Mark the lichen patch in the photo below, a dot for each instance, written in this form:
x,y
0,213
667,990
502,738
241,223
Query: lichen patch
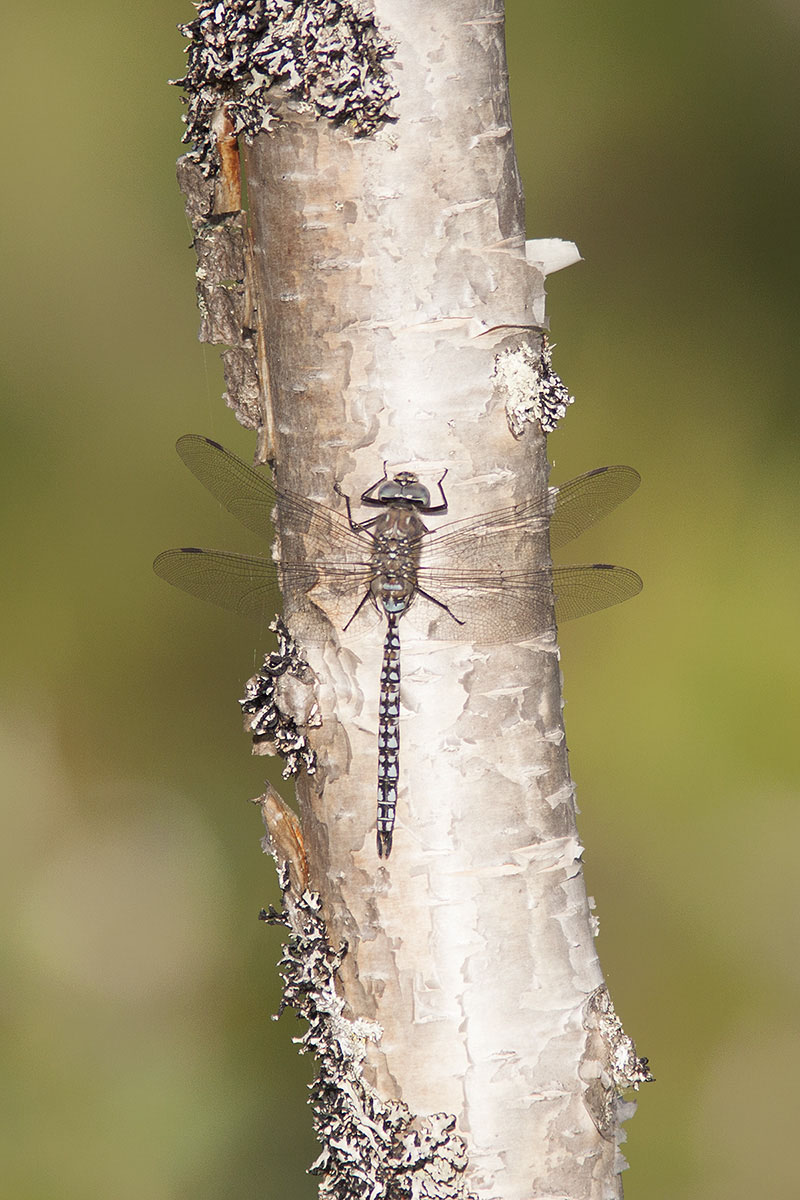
x,y
252,54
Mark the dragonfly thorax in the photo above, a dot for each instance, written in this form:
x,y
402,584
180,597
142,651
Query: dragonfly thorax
x,y
395,558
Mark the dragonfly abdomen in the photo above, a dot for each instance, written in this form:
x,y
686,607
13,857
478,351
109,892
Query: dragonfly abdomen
x,y
388,736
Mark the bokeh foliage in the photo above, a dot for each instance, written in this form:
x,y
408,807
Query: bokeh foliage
x,y
139,1057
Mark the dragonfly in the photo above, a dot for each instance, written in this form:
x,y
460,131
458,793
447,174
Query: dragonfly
x,y
461,581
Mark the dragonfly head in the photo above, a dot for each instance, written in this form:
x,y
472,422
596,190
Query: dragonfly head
x,y
405,487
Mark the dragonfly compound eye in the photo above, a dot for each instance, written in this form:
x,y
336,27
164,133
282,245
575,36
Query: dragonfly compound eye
x,y
405,486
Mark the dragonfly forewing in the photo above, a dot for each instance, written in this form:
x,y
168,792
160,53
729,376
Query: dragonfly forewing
x,y
589,498
250,495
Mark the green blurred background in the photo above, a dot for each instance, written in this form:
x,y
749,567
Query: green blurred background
x,y
139,1057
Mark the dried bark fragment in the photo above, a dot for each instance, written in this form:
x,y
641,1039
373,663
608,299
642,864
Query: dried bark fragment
x,y
372,1148
226,295
284,839
250,54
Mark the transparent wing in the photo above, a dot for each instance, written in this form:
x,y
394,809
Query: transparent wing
x,y
582,590
575,506
249,494
589,498
234,581
251,586
469,566
507,606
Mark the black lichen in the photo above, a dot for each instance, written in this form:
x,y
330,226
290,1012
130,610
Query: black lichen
x,y
372,1149
553,398
248,54
535,390
284,679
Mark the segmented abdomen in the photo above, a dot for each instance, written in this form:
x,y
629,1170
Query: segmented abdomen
x,y
388,736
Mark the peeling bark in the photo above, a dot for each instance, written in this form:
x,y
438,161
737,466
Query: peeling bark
x,y
380,306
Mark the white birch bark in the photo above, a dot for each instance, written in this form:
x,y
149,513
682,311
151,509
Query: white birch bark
x,y
390,275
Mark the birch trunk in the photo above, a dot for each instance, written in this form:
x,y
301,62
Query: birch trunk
x,y
389,275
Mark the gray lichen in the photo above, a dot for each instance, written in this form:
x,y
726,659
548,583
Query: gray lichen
x,y
534,390
328,55
611,1066
372,1149
627,1069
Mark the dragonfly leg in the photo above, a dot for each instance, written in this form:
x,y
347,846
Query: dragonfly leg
x,y
369,497
436,508
356,526
367,596
439,604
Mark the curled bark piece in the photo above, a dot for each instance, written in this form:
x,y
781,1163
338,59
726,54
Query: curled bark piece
x,y
284,838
